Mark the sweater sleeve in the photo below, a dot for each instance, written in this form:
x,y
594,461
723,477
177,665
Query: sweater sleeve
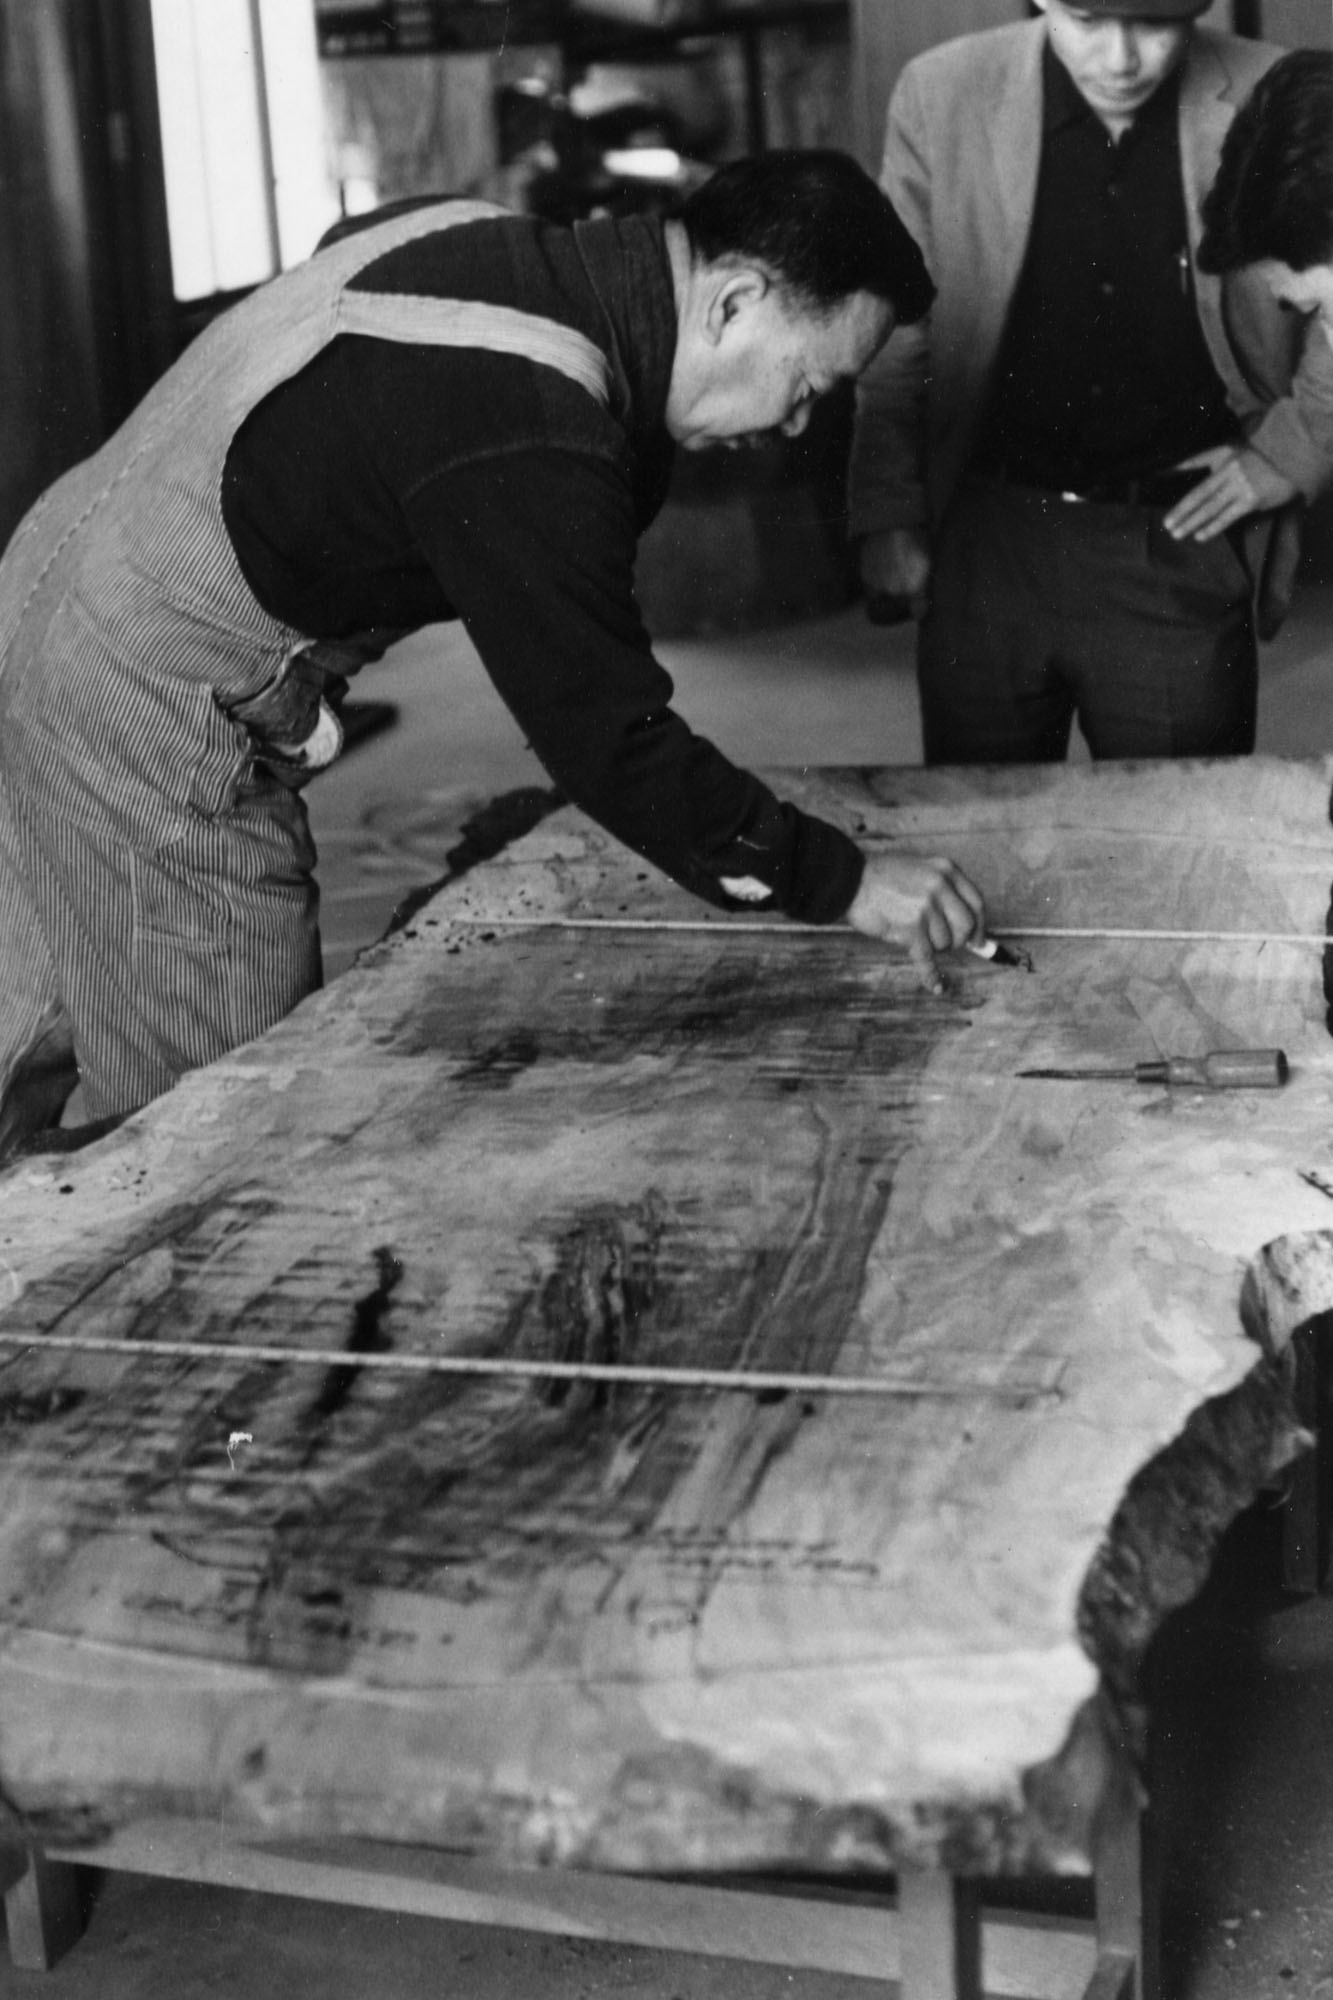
x,y
1295,433
535,549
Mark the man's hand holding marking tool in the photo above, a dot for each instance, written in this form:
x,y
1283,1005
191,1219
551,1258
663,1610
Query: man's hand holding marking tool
x,y
924,902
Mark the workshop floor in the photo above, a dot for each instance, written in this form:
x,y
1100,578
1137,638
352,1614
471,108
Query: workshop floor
x,y
1244,1679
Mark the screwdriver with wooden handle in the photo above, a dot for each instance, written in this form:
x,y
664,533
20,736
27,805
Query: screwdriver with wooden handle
x,y
1222,1069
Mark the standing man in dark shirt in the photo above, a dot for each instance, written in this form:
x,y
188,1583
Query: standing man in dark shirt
x,y
1084,472
453,413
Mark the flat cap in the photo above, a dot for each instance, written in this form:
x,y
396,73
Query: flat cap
x,y
1144,10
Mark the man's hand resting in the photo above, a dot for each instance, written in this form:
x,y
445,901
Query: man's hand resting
x,y
1238,482
928,904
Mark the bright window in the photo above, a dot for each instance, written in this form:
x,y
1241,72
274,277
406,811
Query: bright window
x,y
248,190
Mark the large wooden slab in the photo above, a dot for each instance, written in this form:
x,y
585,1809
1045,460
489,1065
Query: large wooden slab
x,y
658,1628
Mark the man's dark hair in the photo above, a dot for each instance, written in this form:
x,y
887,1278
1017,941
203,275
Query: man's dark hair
x,y
817,223
1273,195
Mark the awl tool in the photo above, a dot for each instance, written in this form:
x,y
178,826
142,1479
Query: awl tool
x,y
1223,1069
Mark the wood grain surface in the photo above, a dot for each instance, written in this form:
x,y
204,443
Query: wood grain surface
x,y
664,1628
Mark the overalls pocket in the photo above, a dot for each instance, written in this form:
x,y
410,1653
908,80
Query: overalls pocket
x,y
294,720
291,722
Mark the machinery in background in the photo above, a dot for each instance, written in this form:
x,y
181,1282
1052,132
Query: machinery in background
x,y
603,146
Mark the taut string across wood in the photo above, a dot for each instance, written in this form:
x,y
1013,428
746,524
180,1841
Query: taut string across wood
x,y
724,925
1041,1381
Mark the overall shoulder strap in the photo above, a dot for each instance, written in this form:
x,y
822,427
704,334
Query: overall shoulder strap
x,y
470,323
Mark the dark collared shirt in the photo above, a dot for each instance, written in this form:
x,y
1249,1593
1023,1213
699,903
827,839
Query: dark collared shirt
x,y
1103,373
391,485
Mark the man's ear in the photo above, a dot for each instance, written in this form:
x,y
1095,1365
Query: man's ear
x,y
739,288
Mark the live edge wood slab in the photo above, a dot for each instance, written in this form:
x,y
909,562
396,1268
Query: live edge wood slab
x,y
664,1628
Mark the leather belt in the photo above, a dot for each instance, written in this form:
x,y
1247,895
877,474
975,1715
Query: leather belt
x,y
1154,489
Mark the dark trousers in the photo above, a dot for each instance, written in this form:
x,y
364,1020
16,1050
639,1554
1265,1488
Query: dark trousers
x,y
1044,609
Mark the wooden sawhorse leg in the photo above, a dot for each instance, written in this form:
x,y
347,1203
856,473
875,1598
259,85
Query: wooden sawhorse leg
x,y
939,1936
1125,1882
43,1914
940,1928
1305,1509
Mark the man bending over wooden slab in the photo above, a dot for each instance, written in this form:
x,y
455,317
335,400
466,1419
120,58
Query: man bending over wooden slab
x,y
452,413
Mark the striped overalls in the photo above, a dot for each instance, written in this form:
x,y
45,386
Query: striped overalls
x,y
157,899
